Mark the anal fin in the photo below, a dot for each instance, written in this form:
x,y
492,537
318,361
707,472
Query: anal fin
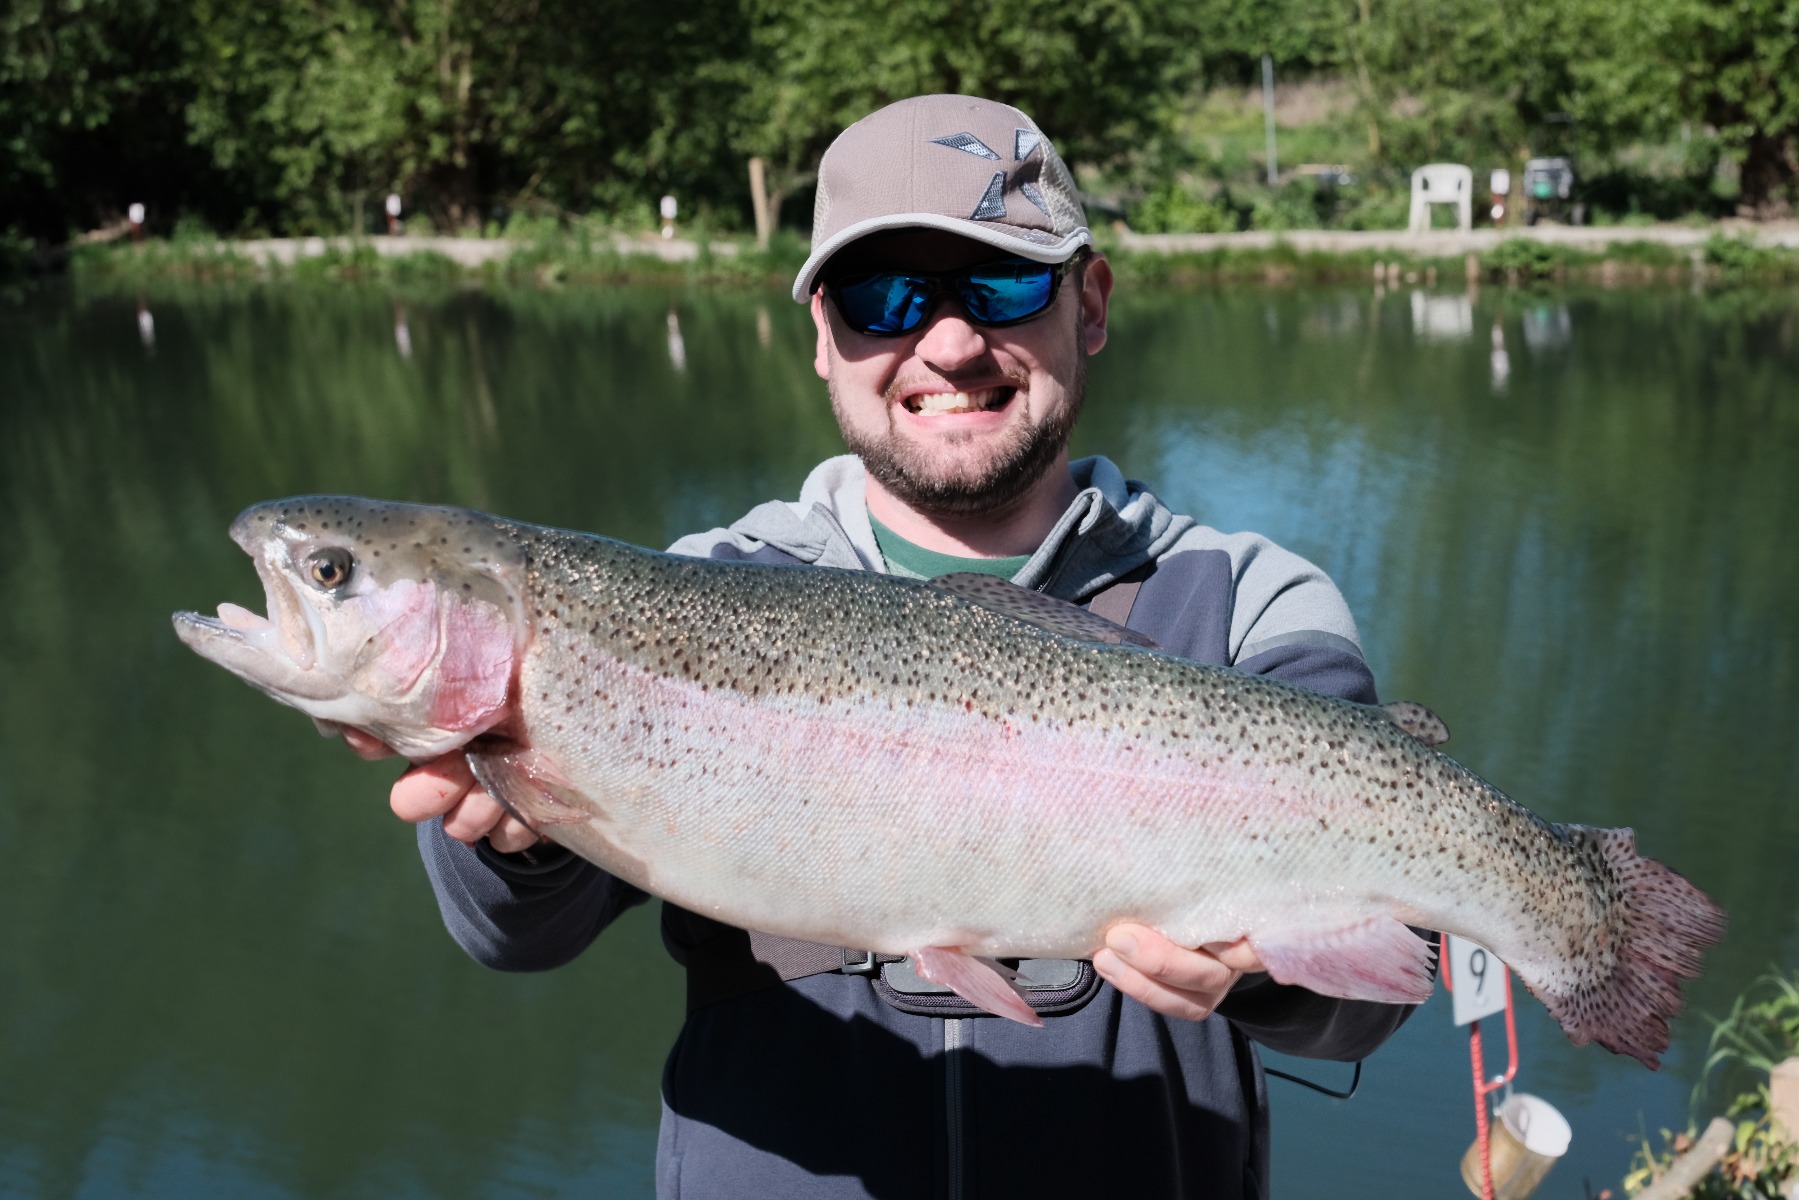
x,y
1378,959
977,980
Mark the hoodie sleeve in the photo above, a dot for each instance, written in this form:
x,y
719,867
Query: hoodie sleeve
x,y
517,913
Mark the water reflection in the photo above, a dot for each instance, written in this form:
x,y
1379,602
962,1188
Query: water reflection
x,y
1448,318
402,331
1548,325
677,346
146,325
224,973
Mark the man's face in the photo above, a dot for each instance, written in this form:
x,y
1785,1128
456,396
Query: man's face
x,y
956,418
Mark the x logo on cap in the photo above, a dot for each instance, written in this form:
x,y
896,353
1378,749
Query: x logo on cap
x,y
992,204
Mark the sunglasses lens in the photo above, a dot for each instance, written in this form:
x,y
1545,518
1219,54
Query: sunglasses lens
x,y
883,302
886,303
1002,292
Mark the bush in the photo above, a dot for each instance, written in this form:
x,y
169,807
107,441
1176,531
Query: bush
x,y
1172,208
1740,259
1530,259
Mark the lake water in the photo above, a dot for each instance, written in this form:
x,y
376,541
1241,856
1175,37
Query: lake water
x,y
221,970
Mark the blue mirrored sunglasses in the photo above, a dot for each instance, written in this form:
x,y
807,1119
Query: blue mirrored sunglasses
x,y
892,303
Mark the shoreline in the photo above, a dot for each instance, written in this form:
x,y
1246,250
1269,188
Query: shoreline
x,y
1717,253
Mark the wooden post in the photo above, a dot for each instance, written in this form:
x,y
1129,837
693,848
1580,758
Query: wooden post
x,y
765,224
1686,1171
1783,1096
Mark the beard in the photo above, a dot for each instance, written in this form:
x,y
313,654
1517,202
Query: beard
x,y
1012,465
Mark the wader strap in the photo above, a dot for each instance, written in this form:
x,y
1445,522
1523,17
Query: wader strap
x,y
739,962
1115,601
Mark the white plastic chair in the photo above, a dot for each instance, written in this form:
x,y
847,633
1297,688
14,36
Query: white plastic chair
x,y
1442,183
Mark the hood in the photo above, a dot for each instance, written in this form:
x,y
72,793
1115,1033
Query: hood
x,y
1113,526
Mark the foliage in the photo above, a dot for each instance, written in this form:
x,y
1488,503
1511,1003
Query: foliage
x,y
1760,1162
1741,260
1098,76
1175,208
301,118
1759,1033
1530,259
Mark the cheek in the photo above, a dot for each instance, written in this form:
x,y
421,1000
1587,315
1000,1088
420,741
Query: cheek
x,y
397,629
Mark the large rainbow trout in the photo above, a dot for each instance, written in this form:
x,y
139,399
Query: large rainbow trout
x,y
956,771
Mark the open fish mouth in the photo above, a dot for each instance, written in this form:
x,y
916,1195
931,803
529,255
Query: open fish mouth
x,y
275,651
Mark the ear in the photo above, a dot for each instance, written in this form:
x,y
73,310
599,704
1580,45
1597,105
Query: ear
x,y
821,357
1096,296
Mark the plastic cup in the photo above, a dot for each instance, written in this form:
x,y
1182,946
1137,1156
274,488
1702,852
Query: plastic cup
x,y
1524,1141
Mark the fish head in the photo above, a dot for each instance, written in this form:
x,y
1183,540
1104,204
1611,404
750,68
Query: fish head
x,y
404,621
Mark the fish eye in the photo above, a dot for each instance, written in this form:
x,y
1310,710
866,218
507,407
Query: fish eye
x,y
331,567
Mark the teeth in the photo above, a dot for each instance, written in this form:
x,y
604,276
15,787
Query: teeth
x,y
955,402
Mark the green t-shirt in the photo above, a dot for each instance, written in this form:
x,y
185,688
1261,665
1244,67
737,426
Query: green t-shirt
x,y
912,561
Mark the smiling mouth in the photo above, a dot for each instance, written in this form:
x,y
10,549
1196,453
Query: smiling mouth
x,y
933,404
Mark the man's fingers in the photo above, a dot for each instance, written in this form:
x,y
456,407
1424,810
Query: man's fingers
x,y
1175,967
1238,955
474,818
512,835
1168,1001
431,789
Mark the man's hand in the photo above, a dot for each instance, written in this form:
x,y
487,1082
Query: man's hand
x,y
445,787
1171,979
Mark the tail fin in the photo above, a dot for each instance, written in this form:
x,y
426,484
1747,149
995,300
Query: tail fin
x,y
1658,929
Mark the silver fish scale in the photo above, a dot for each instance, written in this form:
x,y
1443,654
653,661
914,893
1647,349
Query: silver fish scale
x,y
804,641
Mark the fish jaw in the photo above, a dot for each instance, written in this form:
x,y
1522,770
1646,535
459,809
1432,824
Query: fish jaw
x,y
416,647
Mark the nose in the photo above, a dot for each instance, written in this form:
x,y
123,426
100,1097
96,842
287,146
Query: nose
x,y
949,340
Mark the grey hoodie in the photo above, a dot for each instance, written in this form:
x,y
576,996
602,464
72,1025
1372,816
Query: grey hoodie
x,y
819,1087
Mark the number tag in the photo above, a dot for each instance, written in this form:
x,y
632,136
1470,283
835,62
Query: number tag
x,y
1479,981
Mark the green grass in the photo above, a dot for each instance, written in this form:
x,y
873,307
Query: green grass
x,y
576,257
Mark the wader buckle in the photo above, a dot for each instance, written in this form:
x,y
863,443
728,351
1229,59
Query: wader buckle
x,y
867,965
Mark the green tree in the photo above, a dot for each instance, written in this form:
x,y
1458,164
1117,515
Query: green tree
x,y
1100,77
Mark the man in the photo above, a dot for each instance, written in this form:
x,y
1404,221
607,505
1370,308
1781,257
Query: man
x,y
956,298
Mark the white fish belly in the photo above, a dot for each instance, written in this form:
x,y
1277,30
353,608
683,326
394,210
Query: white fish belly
x,y
865,821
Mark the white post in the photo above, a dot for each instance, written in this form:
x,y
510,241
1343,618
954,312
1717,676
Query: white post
x,y
668,216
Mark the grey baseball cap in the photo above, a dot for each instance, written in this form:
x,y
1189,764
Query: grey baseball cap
x,y
962,164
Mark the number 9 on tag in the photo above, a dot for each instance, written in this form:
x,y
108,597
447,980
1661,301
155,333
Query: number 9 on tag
x,y
1479,980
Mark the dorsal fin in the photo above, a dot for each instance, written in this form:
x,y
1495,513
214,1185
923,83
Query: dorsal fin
x,y
1046,612
1418,721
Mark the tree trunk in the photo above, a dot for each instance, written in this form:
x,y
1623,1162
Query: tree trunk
x,y
1767,176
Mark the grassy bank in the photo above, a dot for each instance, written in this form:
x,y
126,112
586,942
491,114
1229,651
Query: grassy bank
x,y
574,259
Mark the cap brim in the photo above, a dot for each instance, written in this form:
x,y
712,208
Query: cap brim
x,y
1051,249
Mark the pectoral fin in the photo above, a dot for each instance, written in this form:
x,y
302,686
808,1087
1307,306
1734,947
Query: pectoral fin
x,y
980,981
530,787
1378,959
